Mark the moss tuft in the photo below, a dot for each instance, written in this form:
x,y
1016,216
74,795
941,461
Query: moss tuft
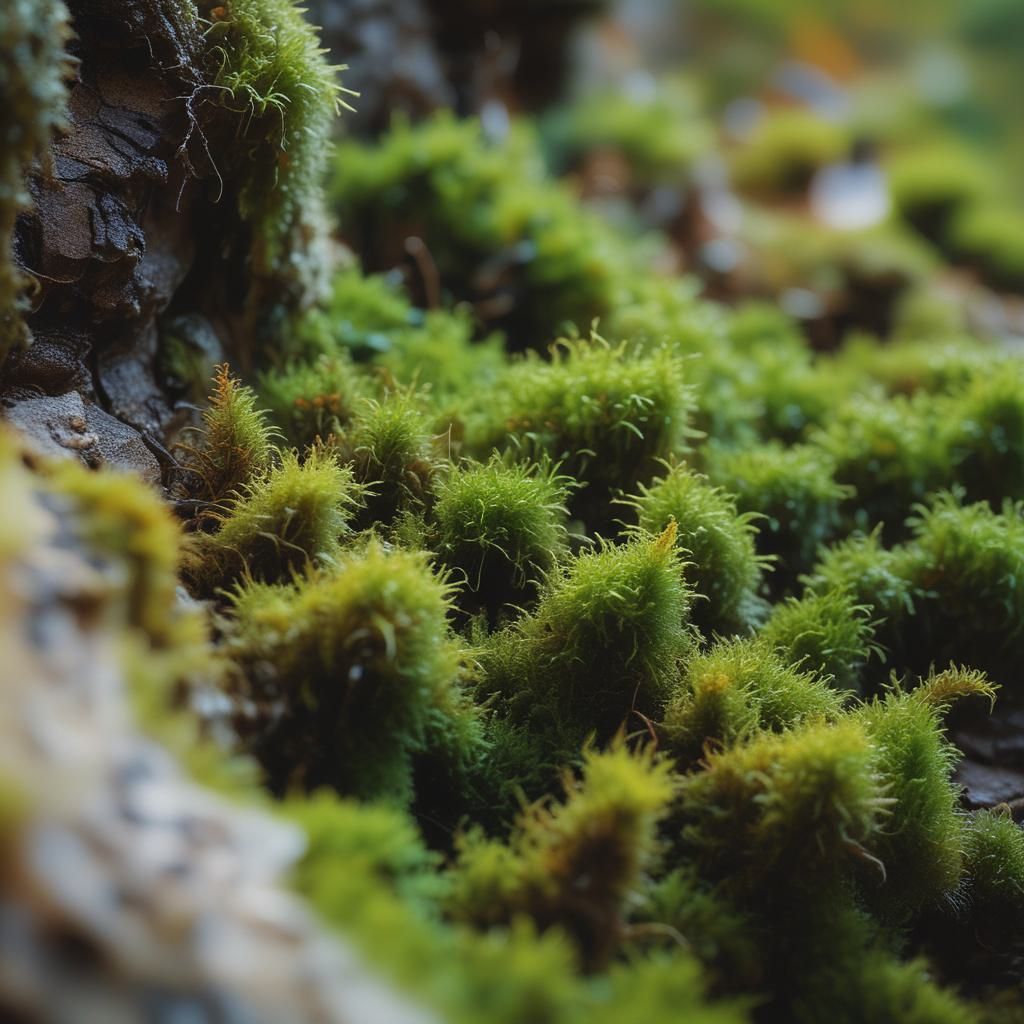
x,y
717,542
346,670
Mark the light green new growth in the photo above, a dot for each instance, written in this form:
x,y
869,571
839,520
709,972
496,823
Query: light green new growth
x,y
921,844
391,446
605,640
793,809
311,400
605,413
969,562
796,496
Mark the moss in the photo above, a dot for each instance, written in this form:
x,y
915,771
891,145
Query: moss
x,y
316,399
33,69
493,226
391,445
574,864
441,356
878,579
785,150
377,843
356,317
792,809
736,689
502,527
967,561
235,444
931,184
664,986
921,843
604,413
828,633
724,937
984,435
346,670
294,516
268,71
759,381
717,541
605,640
936,365
660,135
795,493
891,453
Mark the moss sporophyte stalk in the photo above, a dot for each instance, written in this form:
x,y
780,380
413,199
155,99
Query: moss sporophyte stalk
x,y
605,576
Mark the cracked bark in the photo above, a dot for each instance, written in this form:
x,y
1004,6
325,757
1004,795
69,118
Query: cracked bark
x,y
130,228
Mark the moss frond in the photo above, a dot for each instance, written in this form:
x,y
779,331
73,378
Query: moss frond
x,y
293,516
502,526
717,542
235,444
357,660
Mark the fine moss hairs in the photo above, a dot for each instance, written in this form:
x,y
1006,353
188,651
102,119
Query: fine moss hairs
x,y
604,641
502,527
718,544
345,670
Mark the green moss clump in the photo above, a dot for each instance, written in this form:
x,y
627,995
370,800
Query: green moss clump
x,y
33,69
717,541
391,446
268,70
605,640
759,381
828,633
311,400
357,318
496,230
441,356
984,435
968,561
994,863
931,184
797,496
921,847
736,689
235,444
795,809
990,236
878,579
604,413
502,527
927,364
294,516
891,453
785,150
574,864
347,669
660,134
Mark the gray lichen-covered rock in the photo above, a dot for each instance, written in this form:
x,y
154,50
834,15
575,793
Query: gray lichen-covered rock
x,y
127,891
